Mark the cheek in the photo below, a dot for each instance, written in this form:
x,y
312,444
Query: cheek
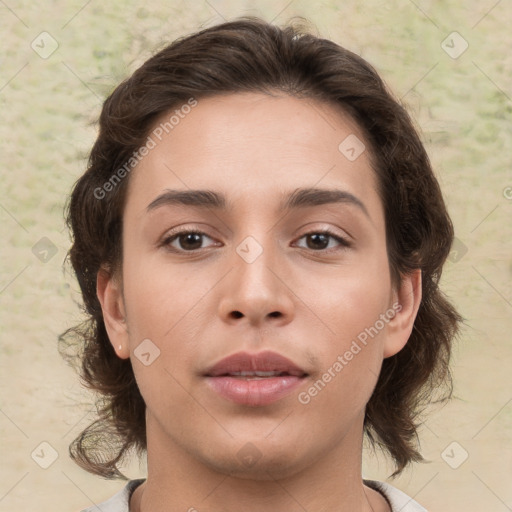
x,y
350,361
159,298
166,306
355,308
354,301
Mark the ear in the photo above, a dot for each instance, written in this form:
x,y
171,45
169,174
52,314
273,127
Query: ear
x,y
110,295
407,299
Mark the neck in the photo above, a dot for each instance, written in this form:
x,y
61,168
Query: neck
x,y
180,482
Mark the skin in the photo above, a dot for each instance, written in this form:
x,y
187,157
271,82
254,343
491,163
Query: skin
x,y
297,298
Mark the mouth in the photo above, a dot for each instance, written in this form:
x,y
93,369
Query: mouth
x,y
254,379
262,365
257,375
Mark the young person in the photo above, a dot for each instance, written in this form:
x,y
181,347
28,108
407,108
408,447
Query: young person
x,y
258,238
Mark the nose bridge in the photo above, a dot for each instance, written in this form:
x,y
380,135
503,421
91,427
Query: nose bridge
x,y
255,290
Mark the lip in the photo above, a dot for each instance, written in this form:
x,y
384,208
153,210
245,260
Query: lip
x,y
254,391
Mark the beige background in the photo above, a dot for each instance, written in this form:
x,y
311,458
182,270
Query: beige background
x,y
463,106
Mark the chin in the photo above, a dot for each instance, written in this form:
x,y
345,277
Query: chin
x,y
257,461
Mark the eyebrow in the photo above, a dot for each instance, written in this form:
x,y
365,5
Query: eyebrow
x,y
299,198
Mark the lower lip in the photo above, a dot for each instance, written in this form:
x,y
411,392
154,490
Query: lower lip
x,y
254,392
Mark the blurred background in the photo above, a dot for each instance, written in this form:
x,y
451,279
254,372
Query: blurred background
x,y
449,62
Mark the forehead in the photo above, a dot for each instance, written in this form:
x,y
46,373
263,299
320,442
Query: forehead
x,y
254,145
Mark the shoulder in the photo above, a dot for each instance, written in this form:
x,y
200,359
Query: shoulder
x,y
398,500
120,502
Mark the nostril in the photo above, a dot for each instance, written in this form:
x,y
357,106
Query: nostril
x,y
238,314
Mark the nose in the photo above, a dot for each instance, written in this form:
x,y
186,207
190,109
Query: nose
x,y
256,290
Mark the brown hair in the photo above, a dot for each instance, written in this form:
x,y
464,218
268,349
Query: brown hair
x,y
249,54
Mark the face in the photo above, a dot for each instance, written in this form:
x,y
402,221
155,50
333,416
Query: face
x,y
288,281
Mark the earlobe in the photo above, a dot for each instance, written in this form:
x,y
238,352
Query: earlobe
x,y
111,299
406,305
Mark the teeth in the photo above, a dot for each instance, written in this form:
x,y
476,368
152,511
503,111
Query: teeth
x,y
255,374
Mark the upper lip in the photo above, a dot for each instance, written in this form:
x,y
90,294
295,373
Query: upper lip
x,y
263,361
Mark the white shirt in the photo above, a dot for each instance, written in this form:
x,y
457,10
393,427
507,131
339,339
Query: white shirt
x,y
398,500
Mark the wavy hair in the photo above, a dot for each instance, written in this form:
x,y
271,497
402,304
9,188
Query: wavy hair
x,y
251,55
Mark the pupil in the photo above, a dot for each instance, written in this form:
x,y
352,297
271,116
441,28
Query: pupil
x,y
190,240
324,240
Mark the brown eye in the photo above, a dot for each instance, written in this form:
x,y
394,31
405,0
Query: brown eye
x,y
321,240
185,241
317,241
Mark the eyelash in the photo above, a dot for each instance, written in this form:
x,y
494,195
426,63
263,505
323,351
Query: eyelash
x,y
344,243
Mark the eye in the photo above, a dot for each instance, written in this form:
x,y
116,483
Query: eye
x,y
186,240
192,240
321,240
